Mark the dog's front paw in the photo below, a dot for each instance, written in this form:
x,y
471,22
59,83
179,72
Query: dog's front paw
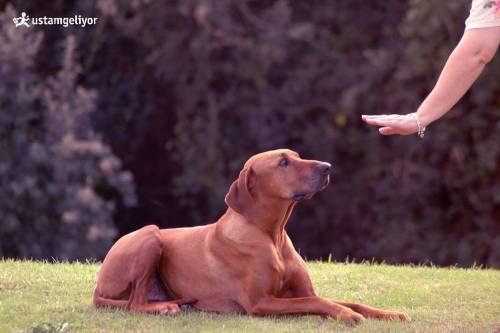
x,y
397,316
351,317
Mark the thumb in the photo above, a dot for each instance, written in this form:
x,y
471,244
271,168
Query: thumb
x,y
387,131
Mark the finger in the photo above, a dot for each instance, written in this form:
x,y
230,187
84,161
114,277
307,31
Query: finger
x,y
387,131
382,118
384,123
390,117
370,116
365,116
378,116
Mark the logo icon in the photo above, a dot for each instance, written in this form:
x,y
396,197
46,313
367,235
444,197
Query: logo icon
x,y
22,20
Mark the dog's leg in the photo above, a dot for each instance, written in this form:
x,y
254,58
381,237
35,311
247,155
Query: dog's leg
x,y
168,307
127,272
304,305
371,312
138,300
300,285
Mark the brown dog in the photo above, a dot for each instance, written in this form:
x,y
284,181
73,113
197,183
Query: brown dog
x,y
243,263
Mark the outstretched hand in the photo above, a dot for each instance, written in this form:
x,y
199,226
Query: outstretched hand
x,y
392,124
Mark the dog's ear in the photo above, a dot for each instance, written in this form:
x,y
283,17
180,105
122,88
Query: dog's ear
x,y
239,198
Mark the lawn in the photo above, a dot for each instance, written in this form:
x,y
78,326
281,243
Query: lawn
x,y
43,297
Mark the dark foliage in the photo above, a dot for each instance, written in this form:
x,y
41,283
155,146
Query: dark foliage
x,y
187,90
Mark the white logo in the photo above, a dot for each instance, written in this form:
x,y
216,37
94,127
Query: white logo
x,y
76,20
22,20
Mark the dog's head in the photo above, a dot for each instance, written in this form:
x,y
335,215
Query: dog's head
x,y
279,175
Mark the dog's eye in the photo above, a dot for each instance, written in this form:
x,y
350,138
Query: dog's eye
x,y
284,162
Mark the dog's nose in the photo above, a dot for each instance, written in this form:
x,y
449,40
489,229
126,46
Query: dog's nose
x,y
325,168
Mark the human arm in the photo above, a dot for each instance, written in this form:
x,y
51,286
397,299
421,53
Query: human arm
x,y
476,48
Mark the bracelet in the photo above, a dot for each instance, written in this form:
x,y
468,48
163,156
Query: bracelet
x,y
421,130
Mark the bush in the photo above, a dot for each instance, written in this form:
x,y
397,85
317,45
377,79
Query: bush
x,y
188,90
60,183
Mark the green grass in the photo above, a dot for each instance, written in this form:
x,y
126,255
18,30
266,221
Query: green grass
x,y
438,300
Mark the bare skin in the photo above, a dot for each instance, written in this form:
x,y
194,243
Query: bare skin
x,y
475,50
243,263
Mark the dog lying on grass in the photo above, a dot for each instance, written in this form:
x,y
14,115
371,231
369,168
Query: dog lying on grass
x,y
243,263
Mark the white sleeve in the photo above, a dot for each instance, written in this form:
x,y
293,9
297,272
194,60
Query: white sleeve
x,y
483,14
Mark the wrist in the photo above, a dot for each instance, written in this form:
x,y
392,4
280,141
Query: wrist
x,y
425,120
420,127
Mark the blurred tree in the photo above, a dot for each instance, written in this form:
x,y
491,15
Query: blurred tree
x,y
188,90
60,183
453,179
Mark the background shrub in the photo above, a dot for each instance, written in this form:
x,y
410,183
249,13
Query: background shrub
x,y
187,90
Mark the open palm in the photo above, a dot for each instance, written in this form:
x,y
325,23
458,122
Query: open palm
x,y
392,124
